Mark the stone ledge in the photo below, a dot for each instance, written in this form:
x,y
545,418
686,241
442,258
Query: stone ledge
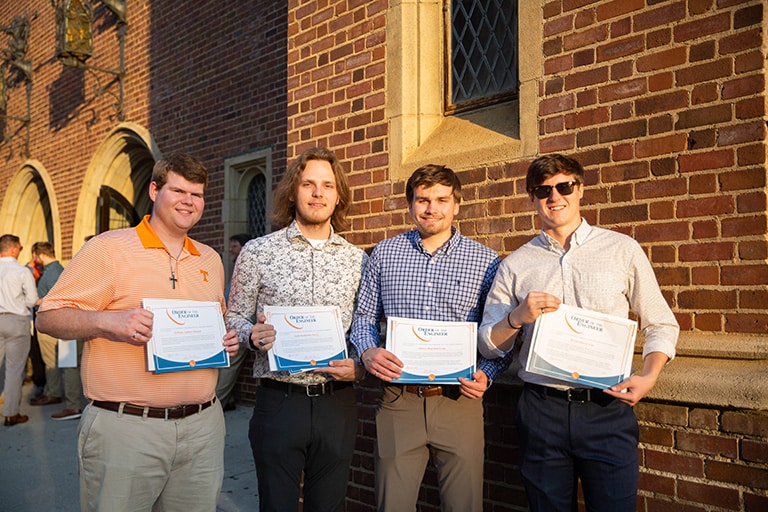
x,y
711,369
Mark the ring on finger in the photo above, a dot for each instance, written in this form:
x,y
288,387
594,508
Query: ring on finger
x,y
135,333
261,343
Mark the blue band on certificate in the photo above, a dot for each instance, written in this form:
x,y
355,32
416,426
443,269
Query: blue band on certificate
x,y
451,378
166,365
549,370
285,364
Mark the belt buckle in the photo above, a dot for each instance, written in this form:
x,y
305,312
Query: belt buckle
x,y
580,397
421,389
170,410
321,386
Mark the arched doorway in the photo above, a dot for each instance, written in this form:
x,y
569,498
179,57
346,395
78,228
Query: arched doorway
x,y
30,210
114,193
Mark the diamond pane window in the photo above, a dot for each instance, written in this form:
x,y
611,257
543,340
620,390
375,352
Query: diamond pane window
x,y
257,206
483,53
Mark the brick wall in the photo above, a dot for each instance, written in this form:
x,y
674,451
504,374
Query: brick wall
x,y
664,104
207,78
663,101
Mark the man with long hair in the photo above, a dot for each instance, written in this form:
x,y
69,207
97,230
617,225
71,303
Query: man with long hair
x,y
302,423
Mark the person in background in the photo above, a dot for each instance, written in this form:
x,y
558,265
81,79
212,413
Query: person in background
x,y
146,441
570,433
225,387
44,255
430,273
18,295
302,423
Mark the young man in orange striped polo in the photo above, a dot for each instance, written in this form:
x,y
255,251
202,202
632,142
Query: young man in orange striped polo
x,y
147,441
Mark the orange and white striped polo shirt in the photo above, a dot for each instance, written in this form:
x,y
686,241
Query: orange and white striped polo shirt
x,y
115,271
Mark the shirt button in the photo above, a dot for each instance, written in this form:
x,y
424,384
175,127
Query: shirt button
x,y
426,308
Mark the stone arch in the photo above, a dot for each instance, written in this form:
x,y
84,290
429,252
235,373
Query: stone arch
x,y
122,162
30,209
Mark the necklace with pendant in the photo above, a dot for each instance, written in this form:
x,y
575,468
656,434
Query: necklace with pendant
x,y
175,271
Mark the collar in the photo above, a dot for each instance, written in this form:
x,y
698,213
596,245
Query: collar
x,y
578,237
150,240
415,238
293,232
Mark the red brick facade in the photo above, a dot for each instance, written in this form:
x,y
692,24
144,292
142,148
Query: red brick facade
x,y
663,101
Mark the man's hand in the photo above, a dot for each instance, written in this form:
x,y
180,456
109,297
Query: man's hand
x,y
382,363
132,325
344,369
476,387
262,334
231,342
637,386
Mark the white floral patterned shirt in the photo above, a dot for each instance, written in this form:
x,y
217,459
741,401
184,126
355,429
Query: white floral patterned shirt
x,y
284,269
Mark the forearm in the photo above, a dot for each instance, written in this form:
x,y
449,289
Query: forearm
x,y
71,323
504,332
653,363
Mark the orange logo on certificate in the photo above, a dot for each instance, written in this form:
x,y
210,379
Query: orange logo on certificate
x,y
192,363
313,362
431,376
575,375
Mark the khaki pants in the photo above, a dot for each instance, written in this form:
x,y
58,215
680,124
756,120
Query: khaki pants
x,y
409,430
130,463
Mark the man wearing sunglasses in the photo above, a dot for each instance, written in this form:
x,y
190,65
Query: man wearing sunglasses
x,y
568,432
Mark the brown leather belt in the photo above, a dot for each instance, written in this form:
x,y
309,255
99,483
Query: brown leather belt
x,y
451,392
167,413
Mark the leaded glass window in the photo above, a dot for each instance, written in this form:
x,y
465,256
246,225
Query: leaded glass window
x,y
483,63
257,206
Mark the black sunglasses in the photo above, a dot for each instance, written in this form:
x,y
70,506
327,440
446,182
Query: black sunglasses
x,y
564,189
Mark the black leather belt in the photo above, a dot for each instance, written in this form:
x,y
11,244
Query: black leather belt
x,y
451,392
167,413
573,394
310,390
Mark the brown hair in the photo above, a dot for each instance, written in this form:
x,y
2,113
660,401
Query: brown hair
x,y
186,166
44,248
8,242
430,175
284,205
547,166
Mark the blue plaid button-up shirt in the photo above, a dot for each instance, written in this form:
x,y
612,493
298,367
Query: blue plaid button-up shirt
x,y
403,279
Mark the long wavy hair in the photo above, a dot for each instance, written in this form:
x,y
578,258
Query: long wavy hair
x,y
285,193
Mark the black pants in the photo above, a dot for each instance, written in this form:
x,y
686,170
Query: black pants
x,y
292,433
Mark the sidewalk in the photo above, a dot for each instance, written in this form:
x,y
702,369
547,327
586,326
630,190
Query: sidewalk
x,y
39,463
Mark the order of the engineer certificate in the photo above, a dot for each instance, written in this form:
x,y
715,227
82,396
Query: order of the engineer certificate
x,y
583,347
308,337
186,335
432,352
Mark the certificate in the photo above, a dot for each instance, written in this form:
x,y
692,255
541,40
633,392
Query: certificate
x,y
583,347
432,352
186,335
67,354
308,337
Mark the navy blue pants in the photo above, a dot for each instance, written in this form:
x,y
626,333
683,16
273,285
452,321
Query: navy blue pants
x,y
562,442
